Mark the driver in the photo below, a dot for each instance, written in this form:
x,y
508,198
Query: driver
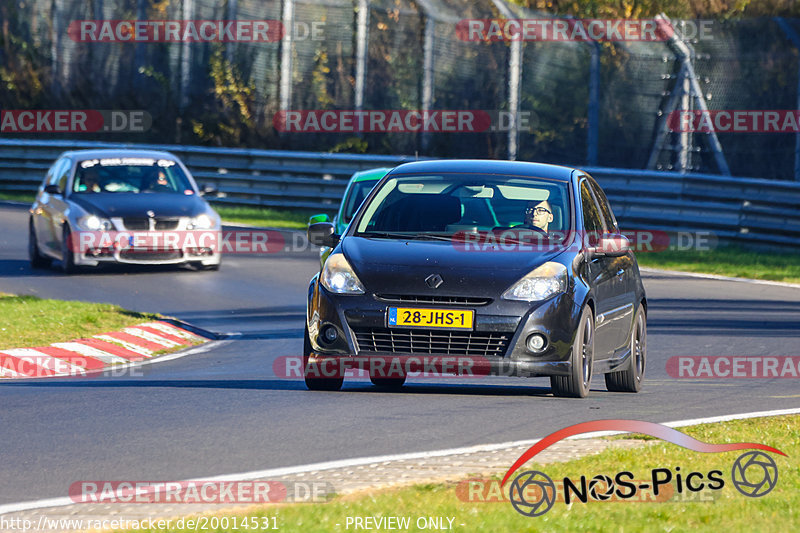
x,y
91,180
158,182
539,215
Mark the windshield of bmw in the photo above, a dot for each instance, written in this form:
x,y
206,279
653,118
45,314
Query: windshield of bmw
x,y
131,174
448,205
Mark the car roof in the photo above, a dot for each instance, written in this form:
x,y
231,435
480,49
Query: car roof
x,y
82,155
486,166
372,174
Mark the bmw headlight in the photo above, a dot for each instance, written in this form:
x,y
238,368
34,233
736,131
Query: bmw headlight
x,y
202,222
95,223
540,284
338,276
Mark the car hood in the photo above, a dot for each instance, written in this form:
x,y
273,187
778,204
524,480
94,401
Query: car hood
x,y
138,204
400,267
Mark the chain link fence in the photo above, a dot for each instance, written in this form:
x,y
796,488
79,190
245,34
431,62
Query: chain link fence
x,y
583,103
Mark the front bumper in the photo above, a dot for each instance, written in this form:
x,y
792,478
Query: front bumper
x,y
495,346
148,248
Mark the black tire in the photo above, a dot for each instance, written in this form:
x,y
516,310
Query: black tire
x,y
35,256
388,383
67,255
316,383
577,384
198,265
630,379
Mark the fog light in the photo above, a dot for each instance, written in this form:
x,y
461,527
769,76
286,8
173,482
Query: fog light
x,y
329,334
536,342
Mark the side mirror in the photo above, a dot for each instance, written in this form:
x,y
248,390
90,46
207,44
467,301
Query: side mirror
x,y
322,234
52,189
314,219
614,245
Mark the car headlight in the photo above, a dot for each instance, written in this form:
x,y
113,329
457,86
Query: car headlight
x,y
95,223
338,276
540,284
201,222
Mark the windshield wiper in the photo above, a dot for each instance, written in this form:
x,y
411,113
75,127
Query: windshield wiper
x,y
385,234
407,236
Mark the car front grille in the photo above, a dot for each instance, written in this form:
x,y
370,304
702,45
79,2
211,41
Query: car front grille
x,y
133,254
435,300
431,342
142,223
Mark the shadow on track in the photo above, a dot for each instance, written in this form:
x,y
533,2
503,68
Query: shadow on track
x,y
293,385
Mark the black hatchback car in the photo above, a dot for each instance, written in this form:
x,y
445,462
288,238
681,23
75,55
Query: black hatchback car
x,y
518,268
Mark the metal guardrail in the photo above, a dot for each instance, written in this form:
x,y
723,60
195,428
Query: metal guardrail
x,y
735,209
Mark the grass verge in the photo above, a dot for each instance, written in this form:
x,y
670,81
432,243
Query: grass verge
x,y
31,321
264,217
728,261
26,197
709,510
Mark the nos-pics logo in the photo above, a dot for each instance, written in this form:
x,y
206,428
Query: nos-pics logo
x,y
533,493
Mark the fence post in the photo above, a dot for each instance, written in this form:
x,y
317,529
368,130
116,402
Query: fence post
x,y
139,53
233,8
362,37
427,73
286,55
795,38
186,57
594,105
55,45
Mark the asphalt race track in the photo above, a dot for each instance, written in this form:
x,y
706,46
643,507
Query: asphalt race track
x,y
225,411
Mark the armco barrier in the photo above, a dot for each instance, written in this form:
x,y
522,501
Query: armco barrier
x,y
735,209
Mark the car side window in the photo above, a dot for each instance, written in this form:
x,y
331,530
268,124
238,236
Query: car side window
x,y
592,219
63,174
50,172
605,208
54,174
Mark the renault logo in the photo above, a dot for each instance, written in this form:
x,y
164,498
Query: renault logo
x,y
434,281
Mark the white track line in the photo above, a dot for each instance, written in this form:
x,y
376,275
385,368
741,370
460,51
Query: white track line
x,y
125,344
169,329
46,361
720,278
152,337
90,351
345,463
7,372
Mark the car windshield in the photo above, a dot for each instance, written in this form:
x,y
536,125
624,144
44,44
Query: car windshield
x,y
432,205
358,192
131,175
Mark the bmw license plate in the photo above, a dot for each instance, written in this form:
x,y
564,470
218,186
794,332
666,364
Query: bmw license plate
x,y
430,318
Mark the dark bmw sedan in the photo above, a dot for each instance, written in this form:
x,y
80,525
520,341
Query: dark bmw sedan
x,y
479,267
122,206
